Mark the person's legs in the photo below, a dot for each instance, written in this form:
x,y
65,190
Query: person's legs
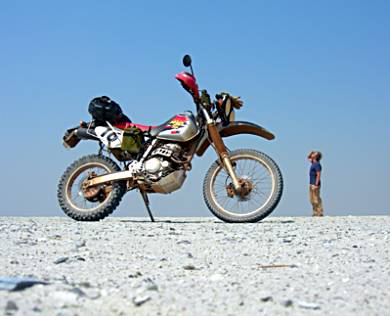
x,y
312,200
319,208
316,201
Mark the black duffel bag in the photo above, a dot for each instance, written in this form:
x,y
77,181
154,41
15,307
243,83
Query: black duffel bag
x,y
104,109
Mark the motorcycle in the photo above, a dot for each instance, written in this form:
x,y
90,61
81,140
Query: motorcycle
x,y
243,185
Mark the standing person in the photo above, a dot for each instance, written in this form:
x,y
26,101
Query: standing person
x,y
315,182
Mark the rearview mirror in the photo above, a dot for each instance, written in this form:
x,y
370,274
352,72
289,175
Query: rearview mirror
x,y
187,61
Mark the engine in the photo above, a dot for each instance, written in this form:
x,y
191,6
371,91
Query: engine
x,y
160,162
162,172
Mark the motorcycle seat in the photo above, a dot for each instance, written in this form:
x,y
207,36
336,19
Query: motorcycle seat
x,y
152,130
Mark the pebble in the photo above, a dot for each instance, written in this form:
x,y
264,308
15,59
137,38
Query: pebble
x,y
80,243
141,299
85,284
11,307
61,260
308,305
148,284
189,267
266,298
17,284
287,303
183,242
135,274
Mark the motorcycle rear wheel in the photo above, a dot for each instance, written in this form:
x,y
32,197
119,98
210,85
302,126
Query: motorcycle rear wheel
x,y
262,178
72,198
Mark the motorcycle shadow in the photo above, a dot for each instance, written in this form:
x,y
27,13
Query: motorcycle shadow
x,y
169,221
205,221
277,221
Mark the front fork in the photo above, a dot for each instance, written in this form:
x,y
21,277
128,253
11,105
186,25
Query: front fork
x,y
221,150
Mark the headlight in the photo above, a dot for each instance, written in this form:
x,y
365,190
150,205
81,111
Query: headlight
x,y
229,110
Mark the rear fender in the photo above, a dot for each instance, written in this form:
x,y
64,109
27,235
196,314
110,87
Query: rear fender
x,y
73,136
236,128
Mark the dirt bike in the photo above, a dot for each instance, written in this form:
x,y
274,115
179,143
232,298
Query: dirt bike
x,y
243,185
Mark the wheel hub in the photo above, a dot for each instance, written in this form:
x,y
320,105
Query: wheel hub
x,y
91,194
96,193
244,190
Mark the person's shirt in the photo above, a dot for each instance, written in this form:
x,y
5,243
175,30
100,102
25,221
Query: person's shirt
x,y
314,168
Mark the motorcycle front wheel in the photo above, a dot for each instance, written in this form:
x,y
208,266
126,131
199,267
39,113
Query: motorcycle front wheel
x,y
94,203
262,184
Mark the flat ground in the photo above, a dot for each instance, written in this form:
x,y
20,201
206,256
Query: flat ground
x,y
197,266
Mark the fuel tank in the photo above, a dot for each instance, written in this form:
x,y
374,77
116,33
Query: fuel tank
x,y
180,128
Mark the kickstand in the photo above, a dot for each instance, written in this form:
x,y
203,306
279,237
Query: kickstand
x,y
146,201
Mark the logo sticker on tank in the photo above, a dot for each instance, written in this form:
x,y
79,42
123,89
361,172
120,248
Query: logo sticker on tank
x,y
178,121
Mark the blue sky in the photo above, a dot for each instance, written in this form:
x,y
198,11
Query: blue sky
x,y
315,73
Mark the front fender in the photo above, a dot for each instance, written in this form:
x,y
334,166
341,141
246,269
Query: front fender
x,y
236,128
